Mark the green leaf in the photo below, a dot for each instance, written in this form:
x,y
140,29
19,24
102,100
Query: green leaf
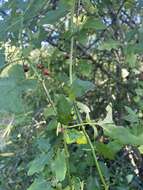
x,y
109,45
81,139
14,71
122,135
38,164
48,112
94,23
64,110
84,68
108,150
43,144
93,183
140,148
59,165
32,9
75,136
132,116
52,124
114,146
55,15
131,60
138,48
12,85
2,58
105,151
105,170
71,136
80,88
40,184
3,33
10,99
76,183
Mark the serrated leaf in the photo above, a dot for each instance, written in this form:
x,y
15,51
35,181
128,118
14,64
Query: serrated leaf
x,y
40,184
122,135
132,116
38,164
59,165
108,150
80,88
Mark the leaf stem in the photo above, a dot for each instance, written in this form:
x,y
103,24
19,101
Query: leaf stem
x,y
92,148
82,124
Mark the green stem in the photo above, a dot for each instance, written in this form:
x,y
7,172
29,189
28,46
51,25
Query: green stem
x,y
92,149
48,96
72,44
82,124
67,160
71,61
44,87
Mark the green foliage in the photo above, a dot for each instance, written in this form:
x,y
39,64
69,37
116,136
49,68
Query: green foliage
x,y
12,85
109,45
38,164
2,58
71,90
94,24
64,110
80,87
59,165
54,16
40,184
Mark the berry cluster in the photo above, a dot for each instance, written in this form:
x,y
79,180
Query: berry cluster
x,y
40,66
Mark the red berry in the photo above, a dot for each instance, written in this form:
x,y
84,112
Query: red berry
x,y
40,66
25,68
45,72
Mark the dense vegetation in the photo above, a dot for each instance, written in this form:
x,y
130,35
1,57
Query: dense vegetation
x,y
71,95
